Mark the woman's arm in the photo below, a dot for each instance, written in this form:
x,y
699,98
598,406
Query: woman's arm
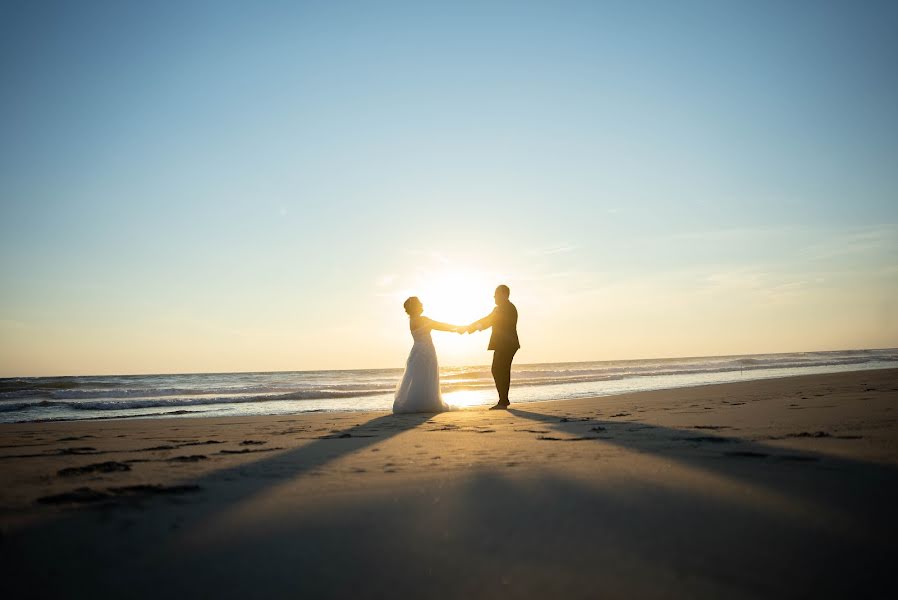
x,y
441,326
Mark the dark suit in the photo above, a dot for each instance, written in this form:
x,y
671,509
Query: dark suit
x,y
503,342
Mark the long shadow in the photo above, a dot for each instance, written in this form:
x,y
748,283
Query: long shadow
x,y
813,476
492,536
259,474
268,470
219,491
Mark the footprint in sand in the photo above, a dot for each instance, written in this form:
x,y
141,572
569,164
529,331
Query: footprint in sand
x,y
189,459
818,435
81,450
86,495
103,467
77,496
746,454
704,439
248,450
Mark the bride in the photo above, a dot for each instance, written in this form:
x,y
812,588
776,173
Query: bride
x,y
419,390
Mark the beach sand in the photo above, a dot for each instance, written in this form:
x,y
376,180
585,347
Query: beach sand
x,y
773,488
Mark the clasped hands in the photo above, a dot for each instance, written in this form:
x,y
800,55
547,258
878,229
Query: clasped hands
x,y
462,329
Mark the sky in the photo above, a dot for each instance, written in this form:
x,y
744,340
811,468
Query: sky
x,y
253,186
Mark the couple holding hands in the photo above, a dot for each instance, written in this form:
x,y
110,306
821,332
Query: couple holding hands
x,y
419,390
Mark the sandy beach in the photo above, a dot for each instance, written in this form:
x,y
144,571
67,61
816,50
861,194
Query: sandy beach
x,y
773,488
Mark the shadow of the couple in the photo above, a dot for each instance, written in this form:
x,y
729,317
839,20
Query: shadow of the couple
x,y
493,533
810,476
821,483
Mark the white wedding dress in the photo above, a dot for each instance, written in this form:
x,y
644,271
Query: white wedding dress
x,y
419,390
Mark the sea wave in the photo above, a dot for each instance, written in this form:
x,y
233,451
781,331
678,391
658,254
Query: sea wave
x,y
181,401
86,394
117,393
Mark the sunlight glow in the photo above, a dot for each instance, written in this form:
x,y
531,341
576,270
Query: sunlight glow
x,y
465,398
457,297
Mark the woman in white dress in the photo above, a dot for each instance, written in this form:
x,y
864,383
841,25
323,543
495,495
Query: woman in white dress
x,y
419,390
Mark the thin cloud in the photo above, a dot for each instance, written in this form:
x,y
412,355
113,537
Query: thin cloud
x,y
550,250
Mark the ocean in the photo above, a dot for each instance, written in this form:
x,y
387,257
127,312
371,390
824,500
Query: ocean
x,y
227,394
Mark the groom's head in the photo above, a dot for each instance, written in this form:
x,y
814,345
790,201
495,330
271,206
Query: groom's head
x,y
502,294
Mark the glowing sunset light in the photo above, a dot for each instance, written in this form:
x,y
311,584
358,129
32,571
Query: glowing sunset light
x,y
456,297
465,398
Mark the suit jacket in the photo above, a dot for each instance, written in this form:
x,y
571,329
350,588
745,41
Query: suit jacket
x,y
504,321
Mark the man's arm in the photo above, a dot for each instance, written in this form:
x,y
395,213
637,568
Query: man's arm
x,y
484,323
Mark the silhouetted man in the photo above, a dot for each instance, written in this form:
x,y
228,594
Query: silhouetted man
x,y
503,341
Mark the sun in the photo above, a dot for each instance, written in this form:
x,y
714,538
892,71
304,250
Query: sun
x,y
457,297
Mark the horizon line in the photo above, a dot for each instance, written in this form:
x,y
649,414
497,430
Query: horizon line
x,y
446,366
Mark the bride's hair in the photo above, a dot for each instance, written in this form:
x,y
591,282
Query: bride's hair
x,y
409,303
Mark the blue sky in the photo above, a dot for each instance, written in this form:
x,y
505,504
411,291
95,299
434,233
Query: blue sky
x,y
205,186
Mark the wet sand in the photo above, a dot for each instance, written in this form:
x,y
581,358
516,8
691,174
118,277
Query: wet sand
x,y
783,487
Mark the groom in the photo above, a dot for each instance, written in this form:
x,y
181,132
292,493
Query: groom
x,y
503,341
